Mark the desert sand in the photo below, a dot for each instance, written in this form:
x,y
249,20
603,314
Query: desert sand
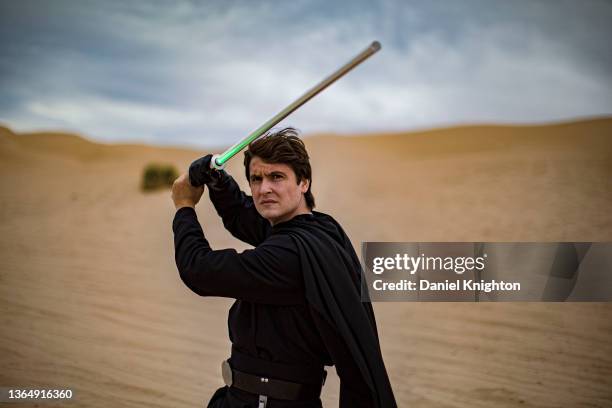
x,y
90,298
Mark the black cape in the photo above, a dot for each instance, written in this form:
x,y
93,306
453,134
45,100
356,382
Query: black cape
x,y
332,279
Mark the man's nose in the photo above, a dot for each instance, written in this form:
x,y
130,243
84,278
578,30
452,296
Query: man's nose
x,y
266,186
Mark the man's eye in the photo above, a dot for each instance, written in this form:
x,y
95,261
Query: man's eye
x,y
277,176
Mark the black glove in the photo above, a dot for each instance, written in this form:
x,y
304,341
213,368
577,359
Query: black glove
x,y
201,173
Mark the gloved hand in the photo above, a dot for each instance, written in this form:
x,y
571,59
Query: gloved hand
x,y
200,172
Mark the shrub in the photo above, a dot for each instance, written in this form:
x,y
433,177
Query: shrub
x,y
157,176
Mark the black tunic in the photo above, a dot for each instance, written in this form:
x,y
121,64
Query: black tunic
x,y
273,329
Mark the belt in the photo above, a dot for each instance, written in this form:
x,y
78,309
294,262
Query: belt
x,y
270,387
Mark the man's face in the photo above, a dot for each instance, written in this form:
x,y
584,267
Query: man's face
x,y
277,195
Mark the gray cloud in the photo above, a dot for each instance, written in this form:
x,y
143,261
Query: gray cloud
x,y
185,72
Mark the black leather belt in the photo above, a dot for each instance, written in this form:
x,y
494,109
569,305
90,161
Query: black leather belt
x,y
270,387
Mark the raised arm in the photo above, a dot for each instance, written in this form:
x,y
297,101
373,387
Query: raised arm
x,y
268,274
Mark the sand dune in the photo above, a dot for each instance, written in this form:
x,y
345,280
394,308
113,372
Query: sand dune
x,y
90,298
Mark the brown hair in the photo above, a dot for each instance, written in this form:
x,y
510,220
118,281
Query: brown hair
x,y
285,147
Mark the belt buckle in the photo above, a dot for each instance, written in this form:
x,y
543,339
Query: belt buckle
x,y
226,373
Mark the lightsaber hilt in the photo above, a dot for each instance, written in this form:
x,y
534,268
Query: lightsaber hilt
x,y
218,160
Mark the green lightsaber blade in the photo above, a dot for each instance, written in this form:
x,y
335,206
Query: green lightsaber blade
x,y
218,161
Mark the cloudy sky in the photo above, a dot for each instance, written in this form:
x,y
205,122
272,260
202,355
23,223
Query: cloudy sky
x,y
207,73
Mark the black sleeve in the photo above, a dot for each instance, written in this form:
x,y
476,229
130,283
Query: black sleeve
x,y
268,274
236,209
354,392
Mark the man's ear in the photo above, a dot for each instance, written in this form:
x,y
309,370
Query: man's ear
x,y
305,183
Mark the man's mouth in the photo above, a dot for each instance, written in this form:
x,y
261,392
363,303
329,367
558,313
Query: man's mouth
x,y
268,202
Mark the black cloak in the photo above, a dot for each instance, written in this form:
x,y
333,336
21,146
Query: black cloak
x,y
332,279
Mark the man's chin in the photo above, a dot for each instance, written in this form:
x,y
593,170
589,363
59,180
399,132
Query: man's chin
x,y
268,214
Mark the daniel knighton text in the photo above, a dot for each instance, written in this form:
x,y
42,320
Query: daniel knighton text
x,y
472,271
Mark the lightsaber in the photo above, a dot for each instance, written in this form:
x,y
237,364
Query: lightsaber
x,y
218,160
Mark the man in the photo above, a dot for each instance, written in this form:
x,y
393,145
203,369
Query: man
x,y
297,292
